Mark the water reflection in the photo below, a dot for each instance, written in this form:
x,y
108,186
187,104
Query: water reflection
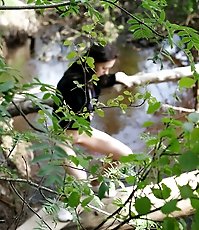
x,y
125,127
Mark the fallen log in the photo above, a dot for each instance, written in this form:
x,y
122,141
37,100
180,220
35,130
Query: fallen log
x,y
163,75
95,218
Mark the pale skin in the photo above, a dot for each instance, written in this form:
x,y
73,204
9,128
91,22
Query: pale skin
x,y
99,142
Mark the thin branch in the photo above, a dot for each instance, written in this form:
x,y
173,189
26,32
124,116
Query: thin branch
x,y
19,180
34,7
23,115
17,219
180,109
134,17
23,200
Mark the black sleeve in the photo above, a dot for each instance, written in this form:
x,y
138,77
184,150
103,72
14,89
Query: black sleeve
x,y
107,80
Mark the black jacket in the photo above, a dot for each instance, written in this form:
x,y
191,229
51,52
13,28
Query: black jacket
x,y
77,98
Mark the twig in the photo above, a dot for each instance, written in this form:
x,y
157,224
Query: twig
x,y
180,109
25,118
34,7
19,180
18,194
134,17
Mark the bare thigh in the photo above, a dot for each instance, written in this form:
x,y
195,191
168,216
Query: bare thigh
x,y
71,168
101,142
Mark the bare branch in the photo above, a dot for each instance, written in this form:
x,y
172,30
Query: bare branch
x,y
134,17
19,180
25,118
180,109
24,201
34,7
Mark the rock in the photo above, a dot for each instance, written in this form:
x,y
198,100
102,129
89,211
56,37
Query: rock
x,y
17,25
18,154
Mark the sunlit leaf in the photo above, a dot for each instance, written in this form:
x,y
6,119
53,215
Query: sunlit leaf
x,y
187,82
153,107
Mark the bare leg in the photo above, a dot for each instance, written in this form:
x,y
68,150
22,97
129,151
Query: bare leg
x,y
77,171
101,142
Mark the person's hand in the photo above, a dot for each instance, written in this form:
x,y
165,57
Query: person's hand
x,y
124,79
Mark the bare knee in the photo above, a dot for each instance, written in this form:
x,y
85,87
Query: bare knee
x,y
121,150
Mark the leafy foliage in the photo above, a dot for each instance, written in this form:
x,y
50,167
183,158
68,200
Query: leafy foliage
x,y
169,152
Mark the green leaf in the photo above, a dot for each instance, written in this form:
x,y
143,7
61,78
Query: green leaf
x,y
46,96
95,77
127,93
99,112
5,86
194,117
189,161
195,222
187,82
130,179
163,192
188,126
88,28
153,107
134,157
42,157
102,189
195,203
94,168
186,191
74,159
142,205
59,152
148,123
87,200
174,145
167,133
120,98
170,207
90,61
170,224
162,16
83,161
68,43
74,199
39,146
157,193
4,111
71,55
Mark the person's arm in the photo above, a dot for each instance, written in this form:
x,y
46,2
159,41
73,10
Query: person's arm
x,y
107,80
112,79
124,79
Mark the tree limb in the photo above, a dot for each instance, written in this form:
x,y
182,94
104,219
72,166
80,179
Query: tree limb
x,y
34,7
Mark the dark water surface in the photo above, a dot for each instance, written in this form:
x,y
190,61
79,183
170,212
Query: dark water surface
x,y
48,65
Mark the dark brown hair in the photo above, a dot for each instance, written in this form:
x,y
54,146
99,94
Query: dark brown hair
x,y
103,53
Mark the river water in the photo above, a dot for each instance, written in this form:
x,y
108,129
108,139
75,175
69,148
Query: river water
x,y
48,65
